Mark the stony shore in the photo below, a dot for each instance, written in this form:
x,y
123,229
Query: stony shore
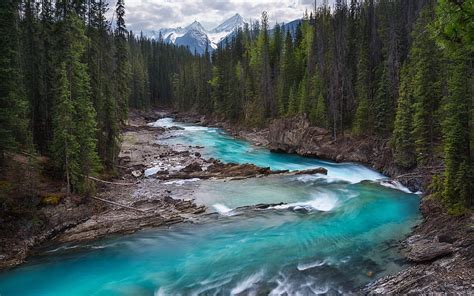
x,y
132,201
441,247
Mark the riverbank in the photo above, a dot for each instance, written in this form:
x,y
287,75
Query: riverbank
x,y
121,205
146,193
441,248
159,200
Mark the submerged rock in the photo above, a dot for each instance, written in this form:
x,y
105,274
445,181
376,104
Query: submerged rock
x,y
322,171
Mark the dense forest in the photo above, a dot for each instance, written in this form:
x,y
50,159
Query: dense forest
x,y
67,80
392,69
400,70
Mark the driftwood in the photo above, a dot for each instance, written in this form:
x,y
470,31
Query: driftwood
x,y
422,172
112,183
117,204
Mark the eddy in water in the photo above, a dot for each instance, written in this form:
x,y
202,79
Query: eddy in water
x,y
322,234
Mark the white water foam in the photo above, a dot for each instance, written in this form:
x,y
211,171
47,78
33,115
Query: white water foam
x,y
319,290
305,266
222,209
312,178
169,122
353,173
323,202
182,182
160,292
340,174
247,283
161,168
163,122
207,286
394,185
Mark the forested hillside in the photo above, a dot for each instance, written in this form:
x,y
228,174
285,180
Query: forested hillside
x,y
399,70
68,78
396,70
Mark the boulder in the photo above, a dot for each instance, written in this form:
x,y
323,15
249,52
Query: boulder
x,y
193,167
137,173
425,250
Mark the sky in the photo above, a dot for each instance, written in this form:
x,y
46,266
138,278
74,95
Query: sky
x,y
147,15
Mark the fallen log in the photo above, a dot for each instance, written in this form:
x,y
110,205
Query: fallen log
x,y
112,183
117,204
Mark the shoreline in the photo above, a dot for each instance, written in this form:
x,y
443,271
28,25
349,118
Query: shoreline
x,y
440,248
429,246
132,202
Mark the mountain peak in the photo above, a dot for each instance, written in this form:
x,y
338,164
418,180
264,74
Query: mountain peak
x,y
196,26
197,38
231,24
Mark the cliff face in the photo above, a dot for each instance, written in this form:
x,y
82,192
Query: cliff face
x,y
296,135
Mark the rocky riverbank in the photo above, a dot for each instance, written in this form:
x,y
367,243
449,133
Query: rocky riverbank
x,y
146,193
296,135
442,251
441,248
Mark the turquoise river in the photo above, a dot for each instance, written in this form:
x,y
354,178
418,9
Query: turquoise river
x,y
332,235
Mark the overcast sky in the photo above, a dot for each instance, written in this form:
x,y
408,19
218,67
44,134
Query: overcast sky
x,y
155,14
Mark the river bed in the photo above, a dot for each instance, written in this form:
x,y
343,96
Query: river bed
x,y
332,234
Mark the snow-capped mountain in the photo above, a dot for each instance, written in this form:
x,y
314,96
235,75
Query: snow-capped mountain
x,y
230,25
197,38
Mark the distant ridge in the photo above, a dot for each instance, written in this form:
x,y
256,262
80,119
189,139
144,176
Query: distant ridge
x,y
196,37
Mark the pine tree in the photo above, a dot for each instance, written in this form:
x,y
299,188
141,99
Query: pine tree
x,y
362,120
122,67
320,112
292,101
303,96
402,140
426,88
13,122
65,148
44,131
286,76
383,105
84,161
32,52
458,176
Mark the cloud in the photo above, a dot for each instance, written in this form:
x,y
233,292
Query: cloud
x,y
146,15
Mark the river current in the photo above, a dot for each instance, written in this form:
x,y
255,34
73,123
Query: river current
x,y
332,234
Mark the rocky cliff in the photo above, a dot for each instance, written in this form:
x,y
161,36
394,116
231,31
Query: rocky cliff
x,y
296,135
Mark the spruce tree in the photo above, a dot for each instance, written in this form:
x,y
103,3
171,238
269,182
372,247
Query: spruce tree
x,y
286,75
48,74
425,57
83,128
383,105
303,96
65,147
459,175
13,122
362,120
402,139
122,67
